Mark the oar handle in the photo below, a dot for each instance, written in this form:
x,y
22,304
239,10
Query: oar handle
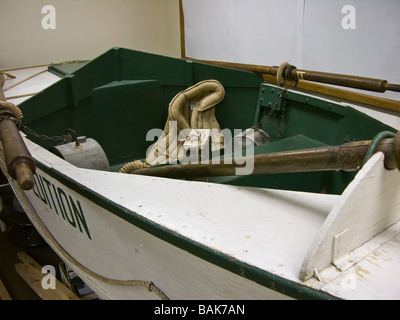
x,y
19,162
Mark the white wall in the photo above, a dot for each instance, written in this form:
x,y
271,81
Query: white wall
x,y
85,29
307,33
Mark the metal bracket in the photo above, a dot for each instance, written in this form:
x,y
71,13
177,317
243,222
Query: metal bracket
x,y
273,98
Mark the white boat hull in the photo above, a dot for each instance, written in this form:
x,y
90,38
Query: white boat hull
x,y
116,258
184,241
125,234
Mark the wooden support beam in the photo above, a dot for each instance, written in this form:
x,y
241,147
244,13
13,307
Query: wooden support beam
x,y
4,295
31,272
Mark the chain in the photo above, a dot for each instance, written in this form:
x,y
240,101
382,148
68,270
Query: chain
x,y
281,122
68,137
271,112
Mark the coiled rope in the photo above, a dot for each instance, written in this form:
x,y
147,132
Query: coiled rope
x,y
134,165
280,78
12,108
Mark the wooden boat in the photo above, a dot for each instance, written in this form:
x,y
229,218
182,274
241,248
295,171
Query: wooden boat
x,y
316,218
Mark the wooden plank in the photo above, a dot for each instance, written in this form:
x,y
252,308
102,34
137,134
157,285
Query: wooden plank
x,y
32,278
4,295
31,272
372,278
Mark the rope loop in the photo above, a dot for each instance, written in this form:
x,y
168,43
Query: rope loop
x,y
280,78
12,108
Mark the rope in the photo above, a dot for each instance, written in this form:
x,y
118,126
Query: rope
x,y
133,165
13,108
26,79
9,75
34,75
280,79
374,143
148,284
22,95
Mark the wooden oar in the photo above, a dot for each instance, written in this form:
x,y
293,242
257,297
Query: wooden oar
x,y
347,157
291,73
384,103
20,165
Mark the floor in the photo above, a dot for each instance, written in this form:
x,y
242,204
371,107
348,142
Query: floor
x,y
19,235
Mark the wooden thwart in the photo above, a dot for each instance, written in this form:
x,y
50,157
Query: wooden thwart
x,y
31,272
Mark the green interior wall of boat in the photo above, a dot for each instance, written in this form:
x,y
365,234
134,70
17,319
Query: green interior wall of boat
x,y
119,96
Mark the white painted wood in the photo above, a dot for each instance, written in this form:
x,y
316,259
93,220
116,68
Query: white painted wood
x,y
119,250
376,276
256,220
32,85
267,229
259,227
369,205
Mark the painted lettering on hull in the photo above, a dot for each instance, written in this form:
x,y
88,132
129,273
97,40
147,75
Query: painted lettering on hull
x,y
61,203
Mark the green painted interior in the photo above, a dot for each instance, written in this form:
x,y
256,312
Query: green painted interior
x,y
119,96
